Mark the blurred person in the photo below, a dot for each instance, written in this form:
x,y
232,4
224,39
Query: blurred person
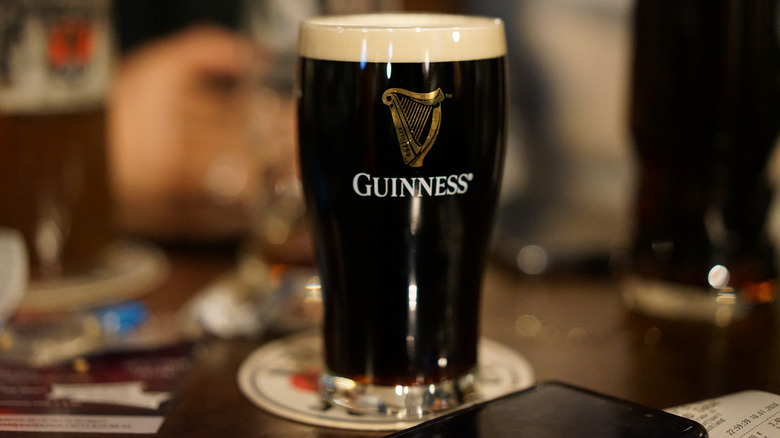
x,y
179,153
184,163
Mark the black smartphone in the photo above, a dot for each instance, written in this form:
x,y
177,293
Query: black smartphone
x,y
557,410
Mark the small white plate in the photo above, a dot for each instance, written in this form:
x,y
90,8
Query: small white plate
x,y
129,269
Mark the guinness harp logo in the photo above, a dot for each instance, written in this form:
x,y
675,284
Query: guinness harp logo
x,y
416,117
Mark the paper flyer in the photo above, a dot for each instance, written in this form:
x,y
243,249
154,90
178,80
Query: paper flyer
x,y
120,393
748,414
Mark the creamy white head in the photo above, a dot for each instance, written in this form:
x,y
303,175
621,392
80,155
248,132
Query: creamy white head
x,y
402,38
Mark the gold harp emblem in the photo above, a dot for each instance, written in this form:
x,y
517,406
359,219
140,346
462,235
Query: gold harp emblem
x,y
416,117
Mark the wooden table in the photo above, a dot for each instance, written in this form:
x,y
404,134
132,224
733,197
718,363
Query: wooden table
x,y
570,326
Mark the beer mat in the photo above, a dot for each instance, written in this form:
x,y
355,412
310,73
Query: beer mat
x,y
121,393
129,269
281,377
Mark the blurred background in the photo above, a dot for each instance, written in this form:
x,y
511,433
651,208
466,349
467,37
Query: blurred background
x,y
199,160
200,135
568,176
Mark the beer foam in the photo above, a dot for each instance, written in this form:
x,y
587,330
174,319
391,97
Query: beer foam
x,y
404,37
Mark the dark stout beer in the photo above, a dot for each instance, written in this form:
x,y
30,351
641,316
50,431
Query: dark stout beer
x,y
705,116
401,273
401,163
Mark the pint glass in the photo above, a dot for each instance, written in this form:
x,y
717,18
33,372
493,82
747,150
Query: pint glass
x,y
55,61
402,131
705,118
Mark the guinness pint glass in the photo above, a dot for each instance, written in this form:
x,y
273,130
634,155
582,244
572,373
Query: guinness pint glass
x,y
401,136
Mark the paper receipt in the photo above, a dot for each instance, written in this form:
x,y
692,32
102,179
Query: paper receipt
x,y
748,414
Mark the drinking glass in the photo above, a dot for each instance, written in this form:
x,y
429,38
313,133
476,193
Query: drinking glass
x,y
705,119
55,71
401,134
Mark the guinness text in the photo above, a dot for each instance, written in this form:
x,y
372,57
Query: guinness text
x,y
397,187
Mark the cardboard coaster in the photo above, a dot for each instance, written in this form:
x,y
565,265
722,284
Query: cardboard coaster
x,y
281,377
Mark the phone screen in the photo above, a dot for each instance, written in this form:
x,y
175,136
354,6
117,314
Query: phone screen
x,y
557,410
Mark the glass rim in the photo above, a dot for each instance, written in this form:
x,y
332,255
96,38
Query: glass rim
x,y
402,37
400,21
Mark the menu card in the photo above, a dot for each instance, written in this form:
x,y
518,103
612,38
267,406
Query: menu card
x,y
748,414
115,393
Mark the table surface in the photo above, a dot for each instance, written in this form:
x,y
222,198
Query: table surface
x,y
570,326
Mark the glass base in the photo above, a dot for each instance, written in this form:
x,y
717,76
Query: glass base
x,y
674,301
402,402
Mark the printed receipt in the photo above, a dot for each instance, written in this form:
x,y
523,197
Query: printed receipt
x,y
748,414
